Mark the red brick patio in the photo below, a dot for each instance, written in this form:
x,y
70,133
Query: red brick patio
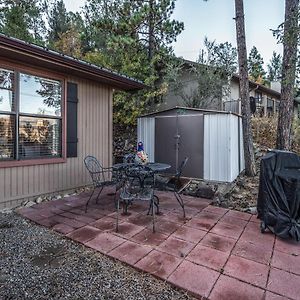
x,y
214,253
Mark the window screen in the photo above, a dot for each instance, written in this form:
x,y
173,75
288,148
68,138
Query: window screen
x,y
30,116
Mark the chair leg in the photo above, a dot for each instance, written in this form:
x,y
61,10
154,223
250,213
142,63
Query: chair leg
x,y
115,198
180,201
118,206
99,195
153,215
150,208
125,207
156,204
86,205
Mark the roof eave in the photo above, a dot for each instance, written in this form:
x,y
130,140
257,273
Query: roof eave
x,y
27,51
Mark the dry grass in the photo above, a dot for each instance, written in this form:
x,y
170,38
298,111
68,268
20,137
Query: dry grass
x,y
265,130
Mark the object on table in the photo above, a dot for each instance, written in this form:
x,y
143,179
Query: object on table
x,y
141,155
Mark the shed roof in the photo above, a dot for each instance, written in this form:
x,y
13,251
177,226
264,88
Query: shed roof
x,y
20,51
189,109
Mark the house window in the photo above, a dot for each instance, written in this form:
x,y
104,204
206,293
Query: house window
x,y
270,103
270,106
30,116
258,99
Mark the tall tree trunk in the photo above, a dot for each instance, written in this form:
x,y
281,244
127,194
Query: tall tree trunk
x,y
151,30
244,89
290,39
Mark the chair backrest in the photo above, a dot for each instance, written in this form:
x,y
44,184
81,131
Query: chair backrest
x,y
129,158
181,167
140,174
139,181
94,167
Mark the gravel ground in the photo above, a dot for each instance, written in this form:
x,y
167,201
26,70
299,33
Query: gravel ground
x,y
36,263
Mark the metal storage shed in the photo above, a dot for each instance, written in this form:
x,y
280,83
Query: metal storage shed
x,y
211,139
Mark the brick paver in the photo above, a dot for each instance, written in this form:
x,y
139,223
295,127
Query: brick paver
x,y
159,264
176,247
284,283
218,242
189,234
259,253
199,285
208,257
228,288
247,270
84,234
214,253
130,252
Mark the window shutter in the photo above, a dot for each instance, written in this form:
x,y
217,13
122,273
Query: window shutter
x,y
72,101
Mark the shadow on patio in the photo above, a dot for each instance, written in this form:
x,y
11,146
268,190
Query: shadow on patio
x,y
214,253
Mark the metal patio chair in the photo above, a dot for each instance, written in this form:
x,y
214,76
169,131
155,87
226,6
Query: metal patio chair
x,y
101,177
134,188
177,184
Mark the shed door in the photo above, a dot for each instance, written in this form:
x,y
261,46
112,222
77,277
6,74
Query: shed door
x,y
190,132
165,131
191,144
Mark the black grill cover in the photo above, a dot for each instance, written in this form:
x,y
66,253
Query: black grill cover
x,y
278,203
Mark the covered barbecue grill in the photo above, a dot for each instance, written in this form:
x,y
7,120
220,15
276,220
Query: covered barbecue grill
x,y
278,203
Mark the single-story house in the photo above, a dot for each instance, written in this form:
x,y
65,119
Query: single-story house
x,y
54,110
266,99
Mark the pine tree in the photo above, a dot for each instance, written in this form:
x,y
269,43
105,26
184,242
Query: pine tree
x,y
255,66
23,19
244,88
290,41
133,37
58,21
274,67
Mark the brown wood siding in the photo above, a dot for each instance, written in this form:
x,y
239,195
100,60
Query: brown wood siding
x,y
94,138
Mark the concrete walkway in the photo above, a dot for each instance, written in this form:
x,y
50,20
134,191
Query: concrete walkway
x,y
214,253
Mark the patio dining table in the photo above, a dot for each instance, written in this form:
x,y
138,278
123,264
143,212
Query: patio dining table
x,y
122,168
155,167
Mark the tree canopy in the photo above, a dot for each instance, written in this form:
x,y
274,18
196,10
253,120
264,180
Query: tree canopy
x,y
133,37
255,66
274,67
23,19
129,36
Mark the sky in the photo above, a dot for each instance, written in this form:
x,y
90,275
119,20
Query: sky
x,y
214,19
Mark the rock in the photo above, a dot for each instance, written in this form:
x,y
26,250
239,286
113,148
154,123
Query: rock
x,y
252,210
219,200
6,211
39,200
29,203
241,183
238,196
205,192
